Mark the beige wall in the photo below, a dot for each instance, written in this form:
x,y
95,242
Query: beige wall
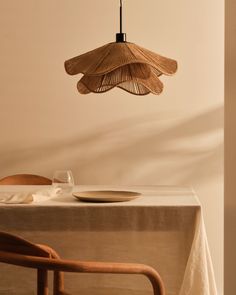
x,y
175,138
230,147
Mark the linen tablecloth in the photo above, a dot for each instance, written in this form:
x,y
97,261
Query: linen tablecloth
x,y
163,228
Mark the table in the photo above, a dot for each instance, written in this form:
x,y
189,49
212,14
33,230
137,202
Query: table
x,y
164,229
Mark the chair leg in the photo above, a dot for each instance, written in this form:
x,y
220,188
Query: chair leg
x,y
42,282
58,283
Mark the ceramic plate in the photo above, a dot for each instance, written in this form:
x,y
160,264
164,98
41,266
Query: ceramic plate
x,y
106,196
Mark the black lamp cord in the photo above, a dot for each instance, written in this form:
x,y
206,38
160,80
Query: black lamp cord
x,y
121,37
121,7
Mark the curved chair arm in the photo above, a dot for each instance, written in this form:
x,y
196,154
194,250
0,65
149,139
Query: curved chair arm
x,y
44,264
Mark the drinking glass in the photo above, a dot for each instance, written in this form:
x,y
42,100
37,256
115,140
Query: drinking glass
x,y
64,180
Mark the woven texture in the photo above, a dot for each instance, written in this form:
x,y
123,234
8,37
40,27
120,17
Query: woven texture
x,y
124,65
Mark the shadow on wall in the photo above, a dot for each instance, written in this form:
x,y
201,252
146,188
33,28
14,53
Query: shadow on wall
x,y
143,150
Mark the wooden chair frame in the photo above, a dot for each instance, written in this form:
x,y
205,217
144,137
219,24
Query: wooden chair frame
x,y
58,266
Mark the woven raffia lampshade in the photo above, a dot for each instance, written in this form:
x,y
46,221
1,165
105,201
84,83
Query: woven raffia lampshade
x,y
120,64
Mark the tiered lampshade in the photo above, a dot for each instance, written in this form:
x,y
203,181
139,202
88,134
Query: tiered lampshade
x,y
120,64
124,65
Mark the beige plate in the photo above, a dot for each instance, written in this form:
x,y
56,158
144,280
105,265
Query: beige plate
x,y
106,196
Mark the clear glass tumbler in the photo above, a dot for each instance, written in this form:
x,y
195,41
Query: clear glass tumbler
x,y
64,180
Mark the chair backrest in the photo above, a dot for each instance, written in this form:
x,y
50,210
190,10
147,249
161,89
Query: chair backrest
x,y
14,249
25,179
15,244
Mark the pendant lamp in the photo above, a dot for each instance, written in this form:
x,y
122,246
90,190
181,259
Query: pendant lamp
x,y
120,64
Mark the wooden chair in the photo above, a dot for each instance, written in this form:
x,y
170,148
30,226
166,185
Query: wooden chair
x,y
25,179
17,251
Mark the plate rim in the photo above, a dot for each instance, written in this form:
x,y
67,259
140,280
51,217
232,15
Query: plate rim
x,y
131,196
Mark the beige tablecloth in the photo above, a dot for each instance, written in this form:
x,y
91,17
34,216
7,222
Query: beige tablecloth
x,y
164,228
